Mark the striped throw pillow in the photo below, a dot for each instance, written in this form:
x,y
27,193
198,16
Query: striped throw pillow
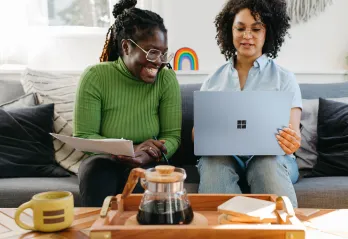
x,y
54,88
60,90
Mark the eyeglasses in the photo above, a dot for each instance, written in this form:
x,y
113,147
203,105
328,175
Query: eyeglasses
x,y
255,31
153,54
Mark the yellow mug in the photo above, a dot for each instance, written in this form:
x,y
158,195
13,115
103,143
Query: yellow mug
x,y
52,211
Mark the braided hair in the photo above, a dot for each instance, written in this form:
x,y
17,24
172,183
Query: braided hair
x,y
130,22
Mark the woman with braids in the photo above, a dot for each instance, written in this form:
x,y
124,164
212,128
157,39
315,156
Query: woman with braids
x,y
131,94
249,34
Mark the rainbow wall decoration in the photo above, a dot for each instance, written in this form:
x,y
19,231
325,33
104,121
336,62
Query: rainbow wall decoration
x,y
185,59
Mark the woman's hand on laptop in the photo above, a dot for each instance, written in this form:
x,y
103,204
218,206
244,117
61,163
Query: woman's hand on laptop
x,y
289,140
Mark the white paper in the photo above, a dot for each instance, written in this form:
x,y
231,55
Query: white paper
x,y
108,146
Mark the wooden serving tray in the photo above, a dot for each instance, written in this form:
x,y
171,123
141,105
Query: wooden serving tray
x,y
115,213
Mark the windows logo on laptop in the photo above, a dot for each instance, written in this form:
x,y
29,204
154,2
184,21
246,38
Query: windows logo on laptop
x,y
241,124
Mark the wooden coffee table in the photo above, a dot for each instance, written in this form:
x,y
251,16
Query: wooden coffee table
x,y
320,224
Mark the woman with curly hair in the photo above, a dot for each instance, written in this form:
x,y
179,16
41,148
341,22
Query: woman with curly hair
x,y
133,95
249,34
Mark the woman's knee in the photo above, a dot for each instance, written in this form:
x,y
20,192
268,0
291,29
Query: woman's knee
x,y
218,175
271,168
94,166
214,164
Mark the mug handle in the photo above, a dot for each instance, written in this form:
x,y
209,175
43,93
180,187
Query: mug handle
x,y
18,213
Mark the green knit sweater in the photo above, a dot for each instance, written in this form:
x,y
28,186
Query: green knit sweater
x,y
112,103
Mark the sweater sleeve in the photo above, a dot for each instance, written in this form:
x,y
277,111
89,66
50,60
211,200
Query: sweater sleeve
x,y
87,113
170,113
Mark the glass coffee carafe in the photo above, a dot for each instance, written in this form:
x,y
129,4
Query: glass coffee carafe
x,y
165,200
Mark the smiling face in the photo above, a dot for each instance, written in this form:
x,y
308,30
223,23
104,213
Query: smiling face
x,y
248,34
135,58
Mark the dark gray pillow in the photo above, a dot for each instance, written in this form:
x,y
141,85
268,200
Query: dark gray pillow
x,y
26,147
332,139
307,154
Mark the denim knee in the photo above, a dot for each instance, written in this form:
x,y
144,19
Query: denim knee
x,y
273,175
272,167
218,175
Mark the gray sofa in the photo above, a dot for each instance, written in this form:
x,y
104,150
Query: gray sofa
x,y
323,192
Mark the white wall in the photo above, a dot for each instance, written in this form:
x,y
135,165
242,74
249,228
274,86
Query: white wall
x,y
316,51
65,48
319,45
190,23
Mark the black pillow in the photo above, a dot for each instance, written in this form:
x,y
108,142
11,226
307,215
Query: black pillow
x,y
26,147
332,139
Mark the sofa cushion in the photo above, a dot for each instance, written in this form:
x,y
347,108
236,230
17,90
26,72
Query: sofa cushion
x,y
21,102
10,90
307,154
332,139
60,90
26,148
322,192
329,90
65,155
53,88
15,191
185,153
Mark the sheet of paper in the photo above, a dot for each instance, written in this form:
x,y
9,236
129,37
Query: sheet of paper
x,y
108,146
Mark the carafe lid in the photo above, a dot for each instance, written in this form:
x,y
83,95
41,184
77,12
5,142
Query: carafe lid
x,y
165,174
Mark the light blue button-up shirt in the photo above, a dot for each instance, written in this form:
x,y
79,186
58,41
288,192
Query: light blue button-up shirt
x,y
265,75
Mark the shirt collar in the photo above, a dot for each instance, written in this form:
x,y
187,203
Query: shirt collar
x,y
260,62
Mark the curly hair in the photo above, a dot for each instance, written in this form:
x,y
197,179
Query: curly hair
x,y
130,22
271,12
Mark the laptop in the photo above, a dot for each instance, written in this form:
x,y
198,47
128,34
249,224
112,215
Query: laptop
x,y
240,123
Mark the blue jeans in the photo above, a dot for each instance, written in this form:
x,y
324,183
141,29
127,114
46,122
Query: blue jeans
x,y
263,174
